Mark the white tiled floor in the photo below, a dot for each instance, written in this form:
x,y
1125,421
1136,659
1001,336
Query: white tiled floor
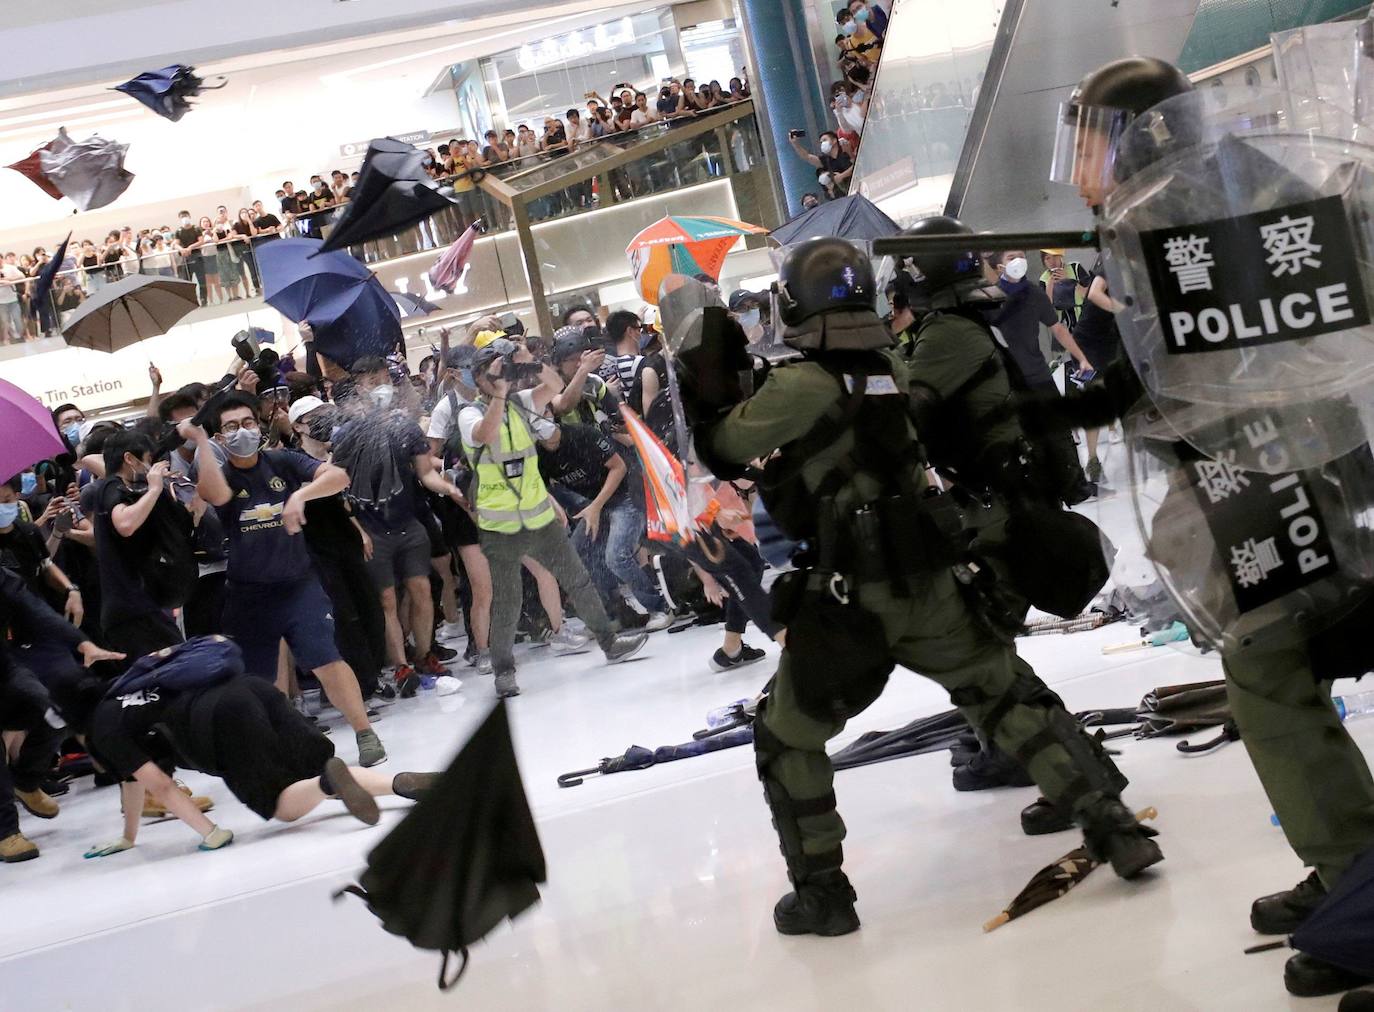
x,y
661,881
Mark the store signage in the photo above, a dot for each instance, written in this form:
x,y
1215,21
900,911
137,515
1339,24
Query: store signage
x,y
562,48
360,147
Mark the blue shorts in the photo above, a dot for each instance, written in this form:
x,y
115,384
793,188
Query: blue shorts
x,y
258,616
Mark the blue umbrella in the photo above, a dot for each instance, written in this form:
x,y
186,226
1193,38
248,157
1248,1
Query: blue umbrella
x,y
166,91
1341,930
348,310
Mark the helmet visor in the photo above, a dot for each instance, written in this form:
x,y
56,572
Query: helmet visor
x,y
1085,145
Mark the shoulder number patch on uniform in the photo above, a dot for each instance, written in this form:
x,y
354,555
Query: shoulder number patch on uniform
x,y
875,385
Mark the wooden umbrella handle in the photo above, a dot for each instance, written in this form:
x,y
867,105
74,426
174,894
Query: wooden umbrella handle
x,y
997,922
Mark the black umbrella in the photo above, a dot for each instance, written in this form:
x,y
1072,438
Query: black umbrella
x,y
855,218
466,857
393,192
637,757
412,305
130,310
47,275
1341,930
166,91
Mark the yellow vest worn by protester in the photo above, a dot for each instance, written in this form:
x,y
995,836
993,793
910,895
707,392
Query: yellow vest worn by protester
x,y
511,495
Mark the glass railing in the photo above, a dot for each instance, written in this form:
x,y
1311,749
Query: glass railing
x,y
578,211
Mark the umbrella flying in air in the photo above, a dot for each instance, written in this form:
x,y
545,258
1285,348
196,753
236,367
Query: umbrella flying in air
x,y
89,173
349,312
854,217
30,435
167,91
47,275
683,244
448,269
665,484
32,168
465,858
637,757
412,305
393,192
130,310
1053,881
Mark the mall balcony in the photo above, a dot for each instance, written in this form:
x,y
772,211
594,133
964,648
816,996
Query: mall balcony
x,y
553,234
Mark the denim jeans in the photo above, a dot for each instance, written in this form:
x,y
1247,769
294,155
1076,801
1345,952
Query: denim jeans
x,y
612,559
11,321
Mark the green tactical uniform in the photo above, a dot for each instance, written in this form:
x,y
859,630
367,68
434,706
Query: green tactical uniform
x,y
930,629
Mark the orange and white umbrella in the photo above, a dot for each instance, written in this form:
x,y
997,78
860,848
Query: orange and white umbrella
x,y
683,244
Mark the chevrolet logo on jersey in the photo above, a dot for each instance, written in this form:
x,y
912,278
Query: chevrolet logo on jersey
x,y
267,513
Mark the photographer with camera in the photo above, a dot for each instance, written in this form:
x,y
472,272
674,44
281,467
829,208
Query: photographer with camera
x,y
516,516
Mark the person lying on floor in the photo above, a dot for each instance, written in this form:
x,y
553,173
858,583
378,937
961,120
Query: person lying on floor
x,y
242,730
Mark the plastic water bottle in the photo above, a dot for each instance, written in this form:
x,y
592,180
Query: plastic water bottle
x,y
1359,704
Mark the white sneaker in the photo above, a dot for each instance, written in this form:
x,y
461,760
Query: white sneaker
x,y
450,631
565,641
484,665
447,685
658,621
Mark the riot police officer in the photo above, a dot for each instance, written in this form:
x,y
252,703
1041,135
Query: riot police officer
x,y
1009,492
1314,774
875,588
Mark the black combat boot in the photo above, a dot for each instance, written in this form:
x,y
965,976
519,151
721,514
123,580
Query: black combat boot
x,y
1112,834
1359,1000
1044,817
1283,913
990,767
1308,977
823,904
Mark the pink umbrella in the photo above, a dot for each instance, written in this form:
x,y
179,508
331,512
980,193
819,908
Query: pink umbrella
x,y
445,274
30,435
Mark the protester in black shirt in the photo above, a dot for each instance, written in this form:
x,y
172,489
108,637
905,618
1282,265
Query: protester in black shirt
x,y
189,240
133,622
1097,335
24,705
587,476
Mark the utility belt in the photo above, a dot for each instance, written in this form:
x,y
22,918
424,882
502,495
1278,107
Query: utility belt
x,y
888,540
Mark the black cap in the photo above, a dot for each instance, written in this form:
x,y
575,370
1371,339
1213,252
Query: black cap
x,y
740,296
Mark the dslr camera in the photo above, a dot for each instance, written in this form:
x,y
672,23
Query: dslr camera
x,y
262,361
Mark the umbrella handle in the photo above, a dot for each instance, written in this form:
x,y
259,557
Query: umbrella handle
x,y
996,922
575,777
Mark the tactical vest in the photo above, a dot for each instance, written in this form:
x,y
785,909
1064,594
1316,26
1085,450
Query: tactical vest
x,y
510,493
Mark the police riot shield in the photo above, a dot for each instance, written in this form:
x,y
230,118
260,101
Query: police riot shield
x,y
1238,252
1332,62
1255,560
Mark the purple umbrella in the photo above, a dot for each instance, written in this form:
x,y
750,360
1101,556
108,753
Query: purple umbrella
x,y
30,435
446,272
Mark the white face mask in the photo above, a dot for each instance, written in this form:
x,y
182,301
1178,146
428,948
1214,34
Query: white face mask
x,y
185,222
826,147
825,178
382,396
1016,268
749,319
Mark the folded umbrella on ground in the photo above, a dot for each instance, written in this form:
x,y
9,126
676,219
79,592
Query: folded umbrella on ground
x,y
465,858
636,757
130,310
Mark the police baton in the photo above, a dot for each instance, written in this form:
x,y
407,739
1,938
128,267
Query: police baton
x,y
911,245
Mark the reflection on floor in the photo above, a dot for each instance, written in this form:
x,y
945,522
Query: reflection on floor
x,y
662,881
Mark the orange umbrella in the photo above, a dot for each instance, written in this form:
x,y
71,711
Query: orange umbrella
x,y
683,244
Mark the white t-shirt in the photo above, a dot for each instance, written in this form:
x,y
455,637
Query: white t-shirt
x,y
470,416
642,117
10,293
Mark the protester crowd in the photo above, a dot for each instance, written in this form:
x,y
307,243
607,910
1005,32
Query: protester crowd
x,y
339,538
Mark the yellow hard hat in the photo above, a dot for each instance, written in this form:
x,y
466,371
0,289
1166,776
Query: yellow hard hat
x,y
1052,252
485,337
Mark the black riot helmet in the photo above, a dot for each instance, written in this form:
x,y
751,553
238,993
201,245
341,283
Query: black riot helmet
x,y
828,297
939,271
821,275
1097,115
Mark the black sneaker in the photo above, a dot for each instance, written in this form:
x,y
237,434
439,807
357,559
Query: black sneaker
x,y
822,905
442,652
990,768
1093,470
721,661
1283,913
